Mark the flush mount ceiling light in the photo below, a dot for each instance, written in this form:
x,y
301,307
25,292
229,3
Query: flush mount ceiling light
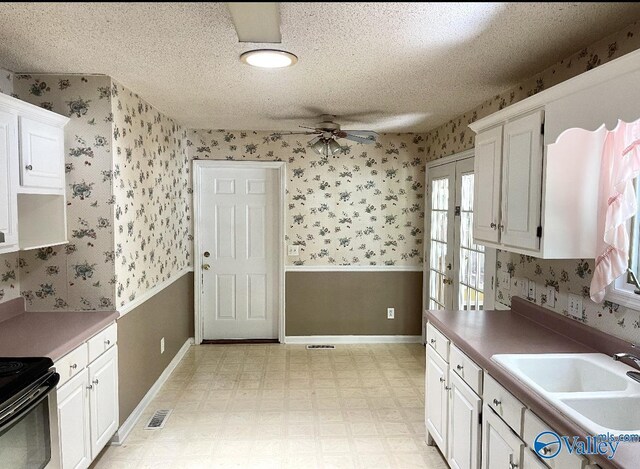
x,y
326,146
269,58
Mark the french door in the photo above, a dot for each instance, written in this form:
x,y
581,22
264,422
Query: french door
x,y
456,267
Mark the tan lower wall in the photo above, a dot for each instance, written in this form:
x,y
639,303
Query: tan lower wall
x,y
353,303
168,314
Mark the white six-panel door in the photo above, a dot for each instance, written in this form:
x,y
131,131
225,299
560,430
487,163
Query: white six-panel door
x,y
238,239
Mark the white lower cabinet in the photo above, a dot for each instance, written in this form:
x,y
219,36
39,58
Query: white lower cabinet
x,y
501,448
531,461
73,422
103,399
464,425
437,399
87,403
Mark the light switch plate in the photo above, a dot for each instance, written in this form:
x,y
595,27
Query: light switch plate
x,y
551,297
293,250
504,278
391,313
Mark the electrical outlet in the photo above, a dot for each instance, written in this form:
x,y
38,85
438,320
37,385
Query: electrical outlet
x,y
293,250
551,297
520,287
504,278
575,305
531,294
391,313
162,345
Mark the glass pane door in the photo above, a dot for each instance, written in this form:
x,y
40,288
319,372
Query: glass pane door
x,y
471,255
441,187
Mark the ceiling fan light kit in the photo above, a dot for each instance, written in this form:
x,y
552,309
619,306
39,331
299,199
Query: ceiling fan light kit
x,y
269,58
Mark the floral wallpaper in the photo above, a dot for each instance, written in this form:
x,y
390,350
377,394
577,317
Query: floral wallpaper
x,y
79,275
6,81
362,207
152,195
573,276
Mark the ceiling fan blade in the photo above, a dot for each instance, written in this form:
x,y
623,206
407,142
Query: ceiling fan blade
x,y
256,21
362,133
294,133
314,140
359,139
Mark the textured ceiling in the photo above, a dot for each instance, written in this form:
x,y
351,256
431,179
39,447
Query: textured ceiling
x,y
412,66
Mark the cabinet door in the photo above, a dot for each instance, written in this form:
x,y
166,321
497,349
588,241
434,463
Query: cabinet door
x,y
103,399
41,155
501,448
436,399
73,423
8,182
522,181
487,171
464,425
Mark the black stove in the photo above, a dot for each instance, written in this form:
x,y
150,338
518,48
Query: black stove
x,y
18,373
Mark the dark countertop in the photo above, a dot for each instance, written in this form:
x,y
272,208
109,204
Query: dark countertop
x,y
529,328
47,334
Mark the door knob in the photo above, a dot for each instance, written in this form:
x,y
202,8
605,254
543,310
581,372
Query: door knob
x,y
206,266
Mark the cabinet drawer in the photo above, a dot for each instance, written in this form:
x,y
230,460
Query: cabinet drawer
x,y
72,364
503,403
464,367
533,426
102,341
438,342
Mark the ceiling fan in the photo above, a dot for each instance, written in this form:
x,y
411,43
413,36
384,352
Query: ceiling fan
x,y
327,132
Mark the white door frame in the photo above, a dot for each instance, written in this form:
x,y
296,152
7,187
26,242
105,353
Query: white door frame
x,y
490,253
198,165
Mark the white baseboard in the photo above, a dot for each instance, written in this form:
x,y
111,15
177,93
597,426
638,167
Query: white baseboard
x,y
353,339
130,423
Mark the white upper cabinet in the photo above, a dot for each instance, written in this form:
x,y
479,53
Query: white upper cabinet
x,y
522,182
537,187
32,176
41,155
8,182
488,157
508,168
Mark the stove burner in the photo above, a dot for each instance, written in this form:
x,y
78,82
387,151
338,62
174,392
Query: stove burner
x,y
10,368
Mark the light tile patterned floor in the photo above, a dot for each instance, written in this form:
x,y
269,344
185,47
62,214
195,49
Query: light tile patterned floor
x,y
275,406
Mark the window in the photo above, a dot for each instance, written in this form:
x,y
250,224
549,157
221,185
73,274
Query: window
x,y
623,291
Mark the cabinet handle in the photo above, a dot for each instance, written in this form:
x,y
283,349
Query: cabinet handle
x,y
459,367
513,465
442,380
496,402
28,167
493,225
447,388
546,450
74,366
95,381
107,342
501,227
433,341
90,387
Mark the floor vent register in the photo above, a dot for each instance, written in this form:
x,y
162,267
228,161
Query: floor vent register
x,y
158,419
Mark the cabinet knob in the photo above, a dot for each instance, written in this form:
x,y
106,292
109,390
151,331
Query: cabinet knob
x,y
442,380
206,266
95,381
107,342
433,341
90,387
447,388
74,366
501,227
493,225
496,402
513,465
459,367
28,167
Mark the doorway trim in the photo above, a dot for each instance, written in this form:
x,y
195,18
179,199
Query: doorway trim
x,y
198,165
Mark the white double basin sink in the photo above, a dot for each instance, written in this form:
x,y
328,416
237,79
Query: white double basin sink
x,y
591,389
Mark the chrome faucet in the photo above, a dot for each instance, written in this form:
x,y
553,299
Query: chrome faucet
x,y
631,374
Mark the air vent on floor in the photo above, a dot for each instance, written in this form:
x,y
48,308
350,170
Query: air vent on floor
x,y
309,347
158,419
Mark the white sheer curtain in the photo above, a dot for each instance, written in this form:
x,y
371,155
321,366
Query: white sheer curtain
x,y
616,205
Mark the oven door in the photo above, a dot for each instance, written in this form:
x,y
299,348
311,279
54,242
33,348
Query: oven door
x,y
25,440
